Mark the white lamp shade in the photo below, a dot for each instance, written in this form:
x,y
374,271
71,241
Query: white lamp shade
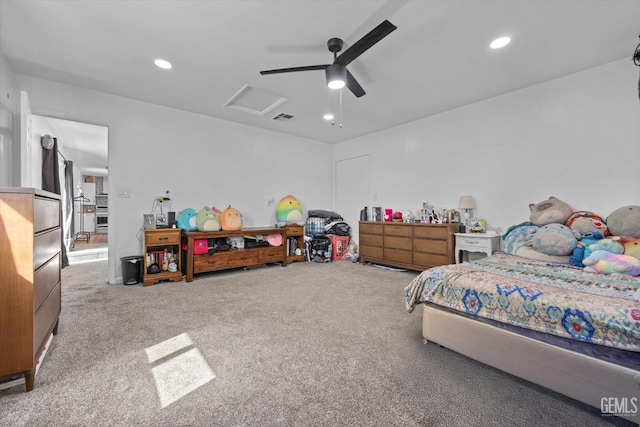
x,y
466,202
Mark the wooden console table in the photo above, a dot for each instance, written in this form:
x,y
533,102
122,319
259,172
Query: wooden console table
x,y
232,258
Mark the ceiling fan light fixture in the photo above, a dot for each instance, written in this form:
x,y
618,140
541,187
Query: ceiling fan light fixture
x,y
328,117
163,63
500,42
336,76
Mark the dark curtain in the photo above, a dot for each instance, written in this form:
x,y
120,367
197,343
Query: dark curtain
x,y
50,168
67,211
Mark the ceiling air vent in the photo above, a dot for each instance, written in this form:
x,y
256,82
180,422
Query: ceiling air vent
x,y
255,101
283,116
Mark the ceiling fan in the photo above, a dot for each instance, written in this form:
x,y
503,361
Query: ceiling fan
x,y
337,74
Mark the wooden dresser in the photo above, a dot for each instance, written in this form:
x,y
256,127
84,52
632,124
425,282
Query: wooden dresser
x,y
30,259
413,246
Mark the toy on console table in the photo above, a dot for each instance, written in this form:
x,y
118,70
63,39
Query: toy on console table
x,y
289,212
231,219
186,219
208,219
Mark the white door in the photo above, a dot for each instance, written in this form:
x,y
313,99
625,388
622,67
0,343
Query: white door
x,y
26,151
353,187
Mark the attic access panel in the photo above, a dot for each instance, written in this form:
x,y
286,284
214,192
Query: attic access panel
x,y
255,101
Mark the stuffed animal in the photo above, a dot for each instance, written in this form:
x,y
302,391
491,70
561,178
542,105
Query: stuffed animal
x,y
608,245
586,222
208,219
518,236
231,219
625,221
582,250
549,212
604,262
289,211
632,248
186,219
555,239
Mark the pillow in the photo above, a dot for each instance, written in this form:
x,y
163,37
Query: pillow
x,y
530,253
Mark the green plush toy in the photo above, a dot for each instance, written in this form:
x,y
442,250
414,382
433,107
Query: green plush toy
x,y
208,219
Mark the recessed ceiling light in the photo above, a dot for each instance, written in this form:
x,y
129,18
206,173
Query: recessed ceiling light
x,y
500,42
161,63
328,117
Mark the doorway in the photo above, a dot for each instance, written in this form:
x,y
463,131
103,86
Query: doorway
x,y
86,146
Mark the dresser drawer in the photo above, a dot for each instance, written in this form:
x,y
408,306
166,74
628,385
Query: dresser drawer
x,y
370,239
366,228
46,245
45,318
398,255
47,214
295,231
398,230
370,251
45,280
213,262
430,246
427,260
243,258
270,254
430,232
159,238
471,242
392,242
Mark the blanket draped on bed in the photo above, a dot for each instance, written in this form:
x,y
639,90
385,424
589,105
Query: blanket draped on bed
x,y
552,298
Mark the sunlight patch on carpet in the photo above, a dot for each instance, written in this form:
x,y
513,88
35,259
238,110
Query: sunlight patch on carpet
x,y
179,375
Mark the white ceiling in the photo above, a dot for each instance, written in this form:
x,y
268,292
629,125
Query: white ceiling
x,y
438,58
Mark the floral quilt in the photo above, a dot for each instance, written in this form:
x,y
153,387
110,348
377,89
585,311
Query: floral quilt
x,y
556,299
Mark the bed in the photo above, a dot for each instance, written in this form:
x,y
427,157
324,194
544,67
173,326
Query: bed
x,y
574,332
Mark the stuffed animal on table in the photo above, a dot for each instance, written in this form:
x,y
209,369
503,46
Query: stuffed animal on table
x,y
208,219
603,262
551,211
555,239
231,219
582,250
289,212
186,219
587,222
625,221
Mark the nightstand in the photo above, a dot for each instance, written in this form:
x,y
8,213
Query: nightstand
x,y
476,242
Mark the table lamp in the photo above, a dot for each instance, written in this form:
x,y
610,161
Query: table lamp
x,y
467,204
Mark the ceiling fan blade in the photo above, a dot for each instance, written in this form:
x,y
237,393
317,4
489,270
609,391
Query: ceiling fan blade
x,y
362,45
354,86
294,69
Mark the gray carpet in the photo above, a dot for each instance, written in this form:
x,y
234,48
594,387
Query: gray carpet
x,y
307,345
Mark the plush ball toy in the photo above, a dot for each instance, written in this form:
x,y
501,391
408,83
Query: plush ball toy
x,y
289,211
186,219
586,222
549,212
208,219
555,239
582,250
231,219
632,248
604,262
625,221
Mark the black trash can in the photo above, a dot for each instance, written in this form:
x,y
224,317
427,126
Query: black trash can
x,y
131,270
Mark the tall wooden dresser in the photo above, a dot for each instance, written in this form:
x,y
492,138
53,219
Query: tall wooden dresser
x,y
30,259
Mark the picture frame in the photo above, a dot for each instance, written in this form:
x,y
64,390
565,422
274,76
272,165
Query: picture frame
x,y
477,225
149,221
161,221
